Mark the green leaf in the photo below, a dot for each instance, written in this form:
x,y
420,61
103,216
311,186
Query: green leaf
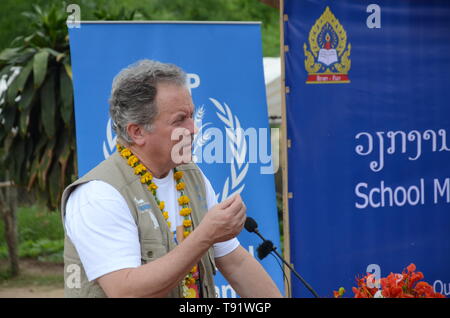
x,y
23,76
52,52
9,115
45,163
25,107
38,9
63,161
66,93
40,63
48,107
24,121
8,143
12,90
2,135
36,162
27,96
68,70
9,53
18,155
53,184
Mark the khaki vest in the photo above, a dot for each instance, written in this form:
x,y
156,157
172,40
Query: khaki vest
x,y
155,240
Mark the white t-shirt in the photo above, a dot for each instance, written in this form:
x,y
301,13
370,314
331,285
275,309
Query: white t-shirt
x,y
102,229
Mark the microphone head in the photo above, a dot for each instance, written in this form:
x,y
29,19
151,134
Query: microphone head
x,y
264,249
250,225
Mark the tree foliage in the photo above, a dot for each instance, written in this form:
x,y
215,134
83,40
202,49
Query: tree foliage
x,y
189,10
37,125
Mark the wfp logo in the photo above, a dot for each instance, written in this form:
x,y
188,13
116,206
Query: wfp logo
x,y
109,145
227,143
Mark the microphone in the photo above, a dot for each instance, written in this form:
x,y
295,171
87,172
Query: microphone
x,y
251,225
267,247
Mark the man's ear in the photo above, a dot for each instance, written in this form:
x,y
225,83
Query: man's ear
x,y
136,133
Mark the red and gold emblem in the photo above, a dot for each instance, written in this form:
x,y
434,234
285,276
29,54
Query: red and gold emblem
x,y
327,58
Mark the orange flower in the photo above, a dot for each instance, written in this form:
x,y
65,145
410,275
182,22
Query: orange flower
x,y
187,223
404,285
339,293
132,160
186,233
178,175
180,186
166,215
185,211
125,152
139,168
161,205
146,177
190,281
411,268
190,293
184,199
152,186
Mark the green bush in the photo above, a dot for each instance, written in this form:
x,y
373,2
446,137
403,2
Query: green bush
x,y
41,235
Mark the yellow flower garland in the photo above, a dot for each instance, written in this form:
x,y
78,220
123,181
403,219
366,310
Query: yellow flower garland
x,y
146,178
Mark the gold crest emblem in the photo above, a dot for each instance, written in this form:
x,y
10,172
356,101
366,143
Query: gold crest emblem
x,y
327,59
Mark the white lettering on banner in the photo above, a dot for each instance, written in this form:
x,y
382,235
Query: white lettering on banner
x,y
413,142
383,195
411,145
440,287
397,196
443,190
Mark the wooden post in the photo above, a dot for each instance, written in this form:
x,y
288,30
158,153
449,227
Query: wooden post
x,y
284,161
8,207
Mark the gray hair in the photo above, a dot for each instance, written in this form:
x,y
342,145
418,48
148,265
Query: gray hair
x,y
133,94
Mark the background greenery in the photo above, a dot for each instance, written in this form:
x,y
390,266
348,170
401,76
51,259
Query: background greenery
x,y
41,234
13,24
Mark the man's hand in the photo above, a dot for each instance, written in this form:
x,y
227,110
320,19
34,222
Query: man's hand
x,y
225,220
155,279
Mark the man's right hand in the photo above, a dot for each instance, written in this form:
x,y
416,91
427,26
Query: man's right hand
x,y
225,220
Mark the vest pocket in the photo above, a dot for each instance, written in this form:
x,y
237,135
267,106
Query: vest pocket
x,y
151,250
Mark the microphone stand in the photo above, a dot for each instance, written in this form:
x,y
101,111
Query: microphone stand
x,y
274,249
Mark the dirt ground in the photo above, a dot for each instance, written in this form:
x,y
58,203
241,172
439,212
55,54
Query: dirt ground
x,y
36,280
32,292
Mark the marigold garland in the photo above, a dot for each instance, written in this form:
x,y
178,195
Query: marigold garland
x,y
147,178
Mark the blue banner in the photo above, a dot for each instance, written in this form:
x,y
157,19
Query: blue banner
x,y
225,76
369,122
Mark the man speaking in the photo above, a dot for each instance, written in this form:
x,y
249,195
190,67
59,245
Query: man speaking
x,y
146,222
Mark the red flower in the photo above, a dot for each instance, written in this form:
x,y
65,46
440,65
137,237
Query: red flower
x,y
411,268
405,285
